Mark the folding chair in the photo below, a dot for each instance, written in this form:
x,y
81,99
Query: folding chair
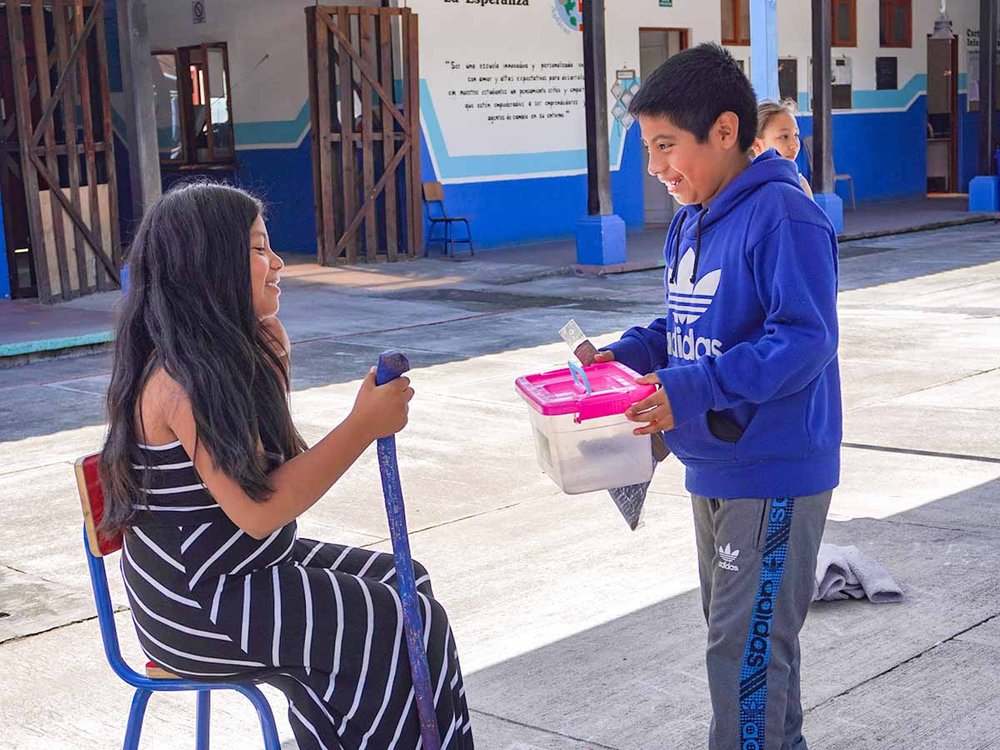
x,y
434,208
807,143
97,545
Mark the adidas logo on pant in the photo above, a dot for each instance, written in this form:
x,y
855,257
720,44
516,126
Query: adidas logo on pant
x,y
728,557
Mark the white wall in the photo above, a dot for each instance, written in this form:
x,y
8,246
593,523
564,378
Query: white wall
x,y
267,44
795,38
267,48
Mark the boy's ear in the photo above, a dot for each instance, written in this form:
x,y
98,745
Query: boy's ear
x,y
727,129
758,147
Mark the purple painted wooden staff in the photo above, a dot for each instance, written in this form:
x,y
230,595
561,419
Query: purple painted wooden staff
x,y
391,365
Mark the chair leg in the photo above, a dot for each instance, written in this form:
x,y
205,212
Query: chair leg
x,y
135,715
447,236
854,203
204,720
468,236
264,713
430,239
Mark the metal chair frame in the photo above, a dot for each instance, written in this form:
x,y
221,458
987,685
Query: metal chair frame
x,y
434,196
96,546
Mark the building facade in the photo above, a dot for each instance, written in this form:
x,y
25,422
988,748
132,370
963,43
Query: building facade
x,y
502,102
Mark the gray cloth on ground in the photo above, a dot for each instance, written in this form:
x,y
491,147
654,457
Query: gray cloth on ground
x,y
847,573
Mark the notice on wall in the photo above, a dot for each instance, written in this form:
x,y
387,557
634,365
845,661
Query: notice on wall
x,y
972,69
502,88
494,97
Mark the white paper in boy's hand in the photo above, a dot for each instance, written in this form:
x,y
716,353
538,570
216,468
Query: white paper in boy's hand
x,y
578,342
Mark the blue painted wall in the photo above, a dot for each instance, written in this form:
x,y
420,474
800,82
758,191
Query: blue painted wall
x,y
502,212
969,145
968,129
884,152
284,180
546,208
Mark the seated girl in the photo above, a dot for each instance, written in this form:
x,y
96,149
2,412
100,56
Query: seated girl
x,y
206,475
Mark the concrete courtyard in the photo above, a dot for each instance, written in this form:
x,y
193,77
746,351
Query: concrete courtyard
x,y
575,633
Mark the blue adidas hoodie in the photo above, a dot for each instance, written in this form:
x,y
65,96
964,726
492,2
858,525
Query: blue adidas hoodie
x,y
747,352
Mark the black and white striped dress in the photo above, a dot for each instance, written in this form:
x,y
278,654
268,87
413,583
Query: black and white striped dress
x,y
322,622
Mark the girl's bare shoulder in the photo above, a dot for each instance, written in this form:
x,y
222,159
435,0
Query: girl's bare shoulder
x,y
161,397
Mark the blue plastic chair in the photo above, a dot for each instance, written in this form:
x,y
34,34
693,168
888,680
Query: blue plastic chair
x,y
96,546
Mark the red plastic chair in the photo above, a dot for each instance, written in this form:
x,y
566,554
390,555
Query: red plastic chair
x,y
97,545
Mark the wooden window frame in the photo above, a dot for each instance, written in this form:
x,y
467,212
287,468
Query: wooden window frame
x,y
887,23
852,6
184,93
741,37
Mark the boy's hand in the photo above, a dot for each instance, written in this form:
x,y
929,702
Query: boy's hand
x,y
605,357
654,410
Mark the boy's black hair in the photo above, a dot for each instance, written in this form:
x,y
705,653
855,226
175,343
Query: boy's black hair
x,y
694,87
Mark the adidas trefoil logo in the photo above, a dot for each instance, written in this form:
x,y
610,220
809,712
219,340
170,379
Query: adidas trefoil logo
x,y
687,302
690,301
728,558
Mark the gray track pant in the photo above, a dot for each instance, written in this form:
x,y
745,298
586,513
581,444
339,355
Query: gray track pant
x,y
757,561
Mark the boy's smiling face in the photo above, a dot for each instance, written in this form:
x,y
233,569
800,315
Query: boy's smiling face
x,y
694,173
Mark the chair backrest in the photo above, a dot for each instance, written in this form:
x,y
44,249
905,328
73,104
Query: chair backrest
x,y
807,144
434,200
97,545
433,191
88,482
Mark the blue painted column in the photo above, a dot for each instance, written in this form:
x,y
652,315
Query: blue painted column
x,y
4,268
600,236
764,48
823,184
984,190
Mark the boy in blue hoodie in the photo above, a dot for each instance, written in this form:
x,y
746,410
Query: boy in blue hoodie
x,y
750,400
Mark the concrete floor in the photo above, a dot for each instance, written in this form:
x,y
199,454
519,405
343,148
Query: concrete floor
x,y
575,633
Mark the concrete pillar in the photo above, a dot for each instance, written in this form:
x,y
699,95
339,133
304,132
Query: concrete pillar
x,y
140,109
764,48
600,237
822,109
984,190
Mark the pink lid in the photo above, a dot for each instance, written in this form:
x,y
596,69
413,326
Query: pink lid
x,y
613,390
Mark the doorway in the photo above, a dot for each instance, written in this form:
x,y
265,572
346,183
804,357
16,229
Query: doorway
x,y
20,259
655,46
942,115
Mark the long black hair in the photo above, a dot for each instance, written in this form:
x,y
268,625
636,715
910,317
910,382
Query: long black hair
x,y
189,310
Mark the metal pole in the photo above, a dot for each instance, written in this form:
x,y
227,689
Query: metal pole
x,y
987,85
595,85
392,364
822,75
